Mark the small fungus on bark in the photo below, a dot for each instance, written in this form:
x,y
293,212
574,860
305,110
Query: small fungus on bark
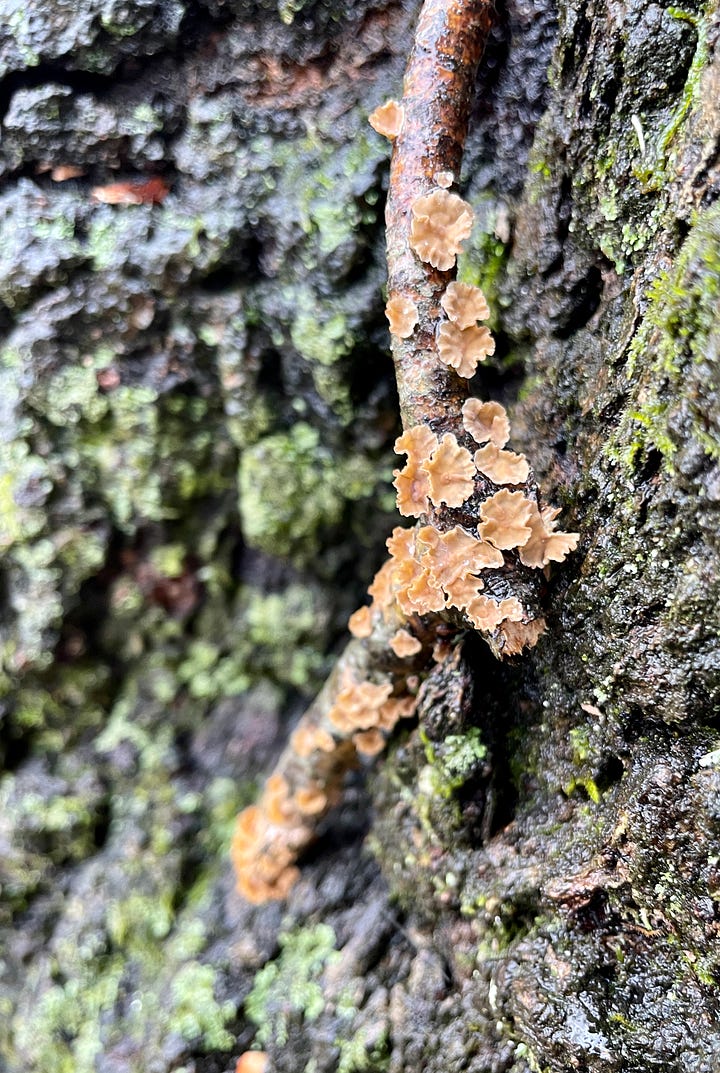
x,y
413,481
464,304
387,119
404,644
505,518
451,471
545,545
502,467
252,1062
402,315
486,421
441,222
464,348
369,742
444,179
360,622
440,576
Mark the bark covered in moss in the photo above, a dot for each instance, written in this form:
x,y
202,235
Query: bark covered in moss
x,y
197,412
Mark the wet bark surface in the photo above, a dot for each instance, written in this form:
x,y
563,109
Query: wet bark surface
x,y
198,413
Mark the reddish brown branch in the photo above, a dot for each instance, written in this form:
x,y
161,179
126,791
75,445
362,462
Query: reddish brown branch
x,y
437,96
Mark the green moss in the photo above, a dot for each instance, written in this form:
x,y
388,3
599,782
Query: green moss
x,y
289,988
209,674
291,488
689,93
275,638
145,119
484,261
450,763
195,1013
283,630
454,760
105,241
357,1055
586,784
67,1029
673,337
20,469
118,29
321,341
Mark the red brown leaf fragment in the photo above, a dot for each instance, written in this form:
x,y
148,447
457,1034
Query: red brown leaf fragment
x,y
151,192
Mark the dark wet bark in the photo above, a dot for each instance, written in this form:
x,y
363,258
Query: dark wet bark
x,y
197,420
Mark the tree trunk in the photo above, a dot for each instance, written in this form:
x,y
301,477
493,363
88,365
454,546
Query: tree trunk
x,y
198,413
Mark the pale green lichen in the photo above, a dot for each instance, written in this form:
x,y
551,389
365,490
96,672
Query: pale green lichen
x,y
292,487
289,988
673,337
454,759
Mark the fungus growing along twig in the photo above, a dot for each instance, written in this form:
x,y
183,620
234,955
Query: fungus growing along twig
x,y
479,574
387,119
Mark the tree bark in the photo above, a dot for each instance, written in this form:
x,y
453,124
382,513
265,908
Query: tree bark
x,y
198,413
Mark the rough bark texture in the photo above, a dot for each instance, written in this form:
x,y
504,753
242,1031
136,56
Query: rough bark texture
x,y
197,411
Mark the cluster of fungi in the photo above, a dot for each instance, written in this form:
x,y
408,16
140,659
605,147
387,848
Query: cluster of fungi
x,y
480,531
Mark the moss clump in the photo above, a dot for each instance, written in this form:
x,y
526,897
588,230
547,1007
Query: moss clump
x,y
288,989
358,1055
292,488
454,760
485,258
195,1010
673,343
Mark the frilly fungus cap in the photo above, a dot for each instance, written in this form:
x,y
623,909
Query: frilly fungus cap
x,y
402,315
451,471
412,482
463,348
545,545
360,622
502,467
505,518
387,119
486,421
441,222
464,304
404,644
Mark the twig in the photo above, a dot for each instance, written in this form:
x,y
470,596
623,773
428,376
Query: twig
x,y
474,561
437,95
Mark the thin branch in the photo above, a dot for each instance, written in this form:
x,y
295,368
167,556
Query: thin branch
x,y
473,559
437,96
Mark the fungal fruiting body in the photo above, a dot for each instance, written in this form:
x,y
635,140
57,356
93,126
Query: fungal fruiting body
x,y
486,422
432,570
464,304
413,481
402,315
387,119
252,1062
463,348
440,224
353,720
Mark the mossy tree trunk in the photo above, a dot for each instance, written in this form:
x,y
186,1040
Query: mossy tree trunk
x,y
197,418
